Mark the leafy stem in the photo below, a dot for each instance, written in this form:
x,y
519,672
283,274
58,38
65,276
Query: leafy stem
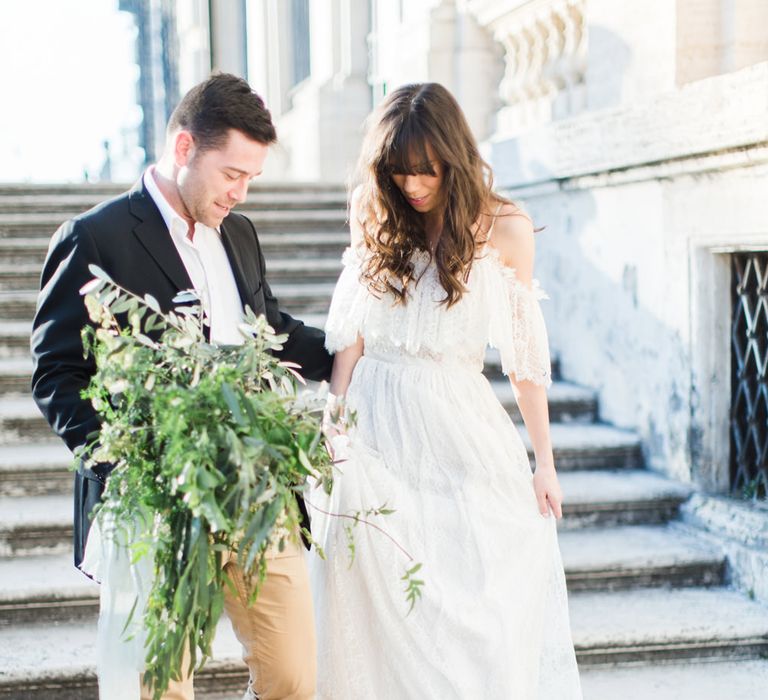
x,y
358,518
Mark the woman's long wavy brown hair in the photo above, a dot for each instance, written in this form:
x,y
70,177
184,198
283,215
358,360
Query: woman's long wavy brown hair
x,y
409,119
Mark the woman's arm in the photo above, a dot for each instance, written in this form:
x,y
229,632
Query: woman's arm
x,y
513,238
343,365
532,400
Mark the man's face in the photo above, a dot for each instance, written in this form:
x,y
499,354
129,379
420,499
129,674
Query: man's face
x,y
213,181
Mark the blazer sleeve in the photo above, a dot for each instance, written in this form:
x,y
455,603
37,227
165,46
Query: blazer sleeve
x,y
305,345
60,370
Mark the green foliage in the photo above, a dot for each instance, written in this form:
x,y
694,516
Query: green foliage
x,y
756,489
413,586
210,444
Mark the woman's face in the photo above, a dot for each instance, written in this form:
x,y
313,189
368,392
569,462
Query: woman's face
x,y
421,185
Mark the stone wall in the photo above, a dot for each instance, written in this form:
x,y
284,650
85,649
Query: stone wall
x,y
641,204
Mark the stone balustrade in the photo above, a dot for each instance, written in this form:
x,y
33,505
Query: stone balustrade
x,y
545,45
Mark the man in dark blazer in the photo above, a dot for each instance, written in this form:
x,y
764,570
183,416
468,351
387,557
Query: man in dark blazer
x,y
175,231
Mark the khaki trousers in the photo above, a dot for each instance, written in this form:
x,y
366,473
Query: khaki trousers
x,y
277,632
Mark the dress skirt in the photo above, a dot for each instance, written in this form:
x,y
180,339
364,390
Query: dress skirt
x,y
432,442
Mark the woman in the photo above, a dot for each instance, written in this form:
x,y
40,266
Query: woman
x,y
439,267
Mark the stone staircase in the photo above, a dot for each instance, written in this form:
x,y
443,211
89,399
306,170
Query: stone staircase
x,y
652,613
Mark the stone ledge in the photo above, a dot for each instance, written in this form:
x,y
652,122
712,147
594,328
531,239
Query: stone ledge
x,y
742,521
743,680
707,116
56,660
740,530
663,624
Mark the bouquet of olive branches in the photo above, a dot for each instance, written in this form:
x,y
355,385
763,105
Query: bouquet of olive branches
x,y
210,445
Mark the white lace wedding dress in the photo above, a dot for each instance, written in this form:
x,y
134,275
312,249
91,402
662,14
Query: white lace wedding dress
x,y
433,442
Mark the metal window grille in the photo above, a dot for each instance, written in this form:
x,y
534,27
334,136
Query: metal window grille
x,y
749,370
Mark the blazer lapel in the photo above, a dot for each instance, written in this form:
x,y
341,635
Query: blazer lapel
x,y
236,263
155,237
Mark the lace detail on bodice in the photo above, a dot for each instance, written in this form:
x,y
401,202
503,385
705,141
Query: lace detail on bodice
x,y
497,310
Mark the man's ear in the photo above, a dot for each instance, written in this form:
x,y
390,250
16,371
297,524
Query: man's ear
x,y
183,148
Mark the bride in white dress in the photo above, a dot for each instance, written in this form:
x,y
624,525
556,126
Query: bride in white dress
x,y
439,268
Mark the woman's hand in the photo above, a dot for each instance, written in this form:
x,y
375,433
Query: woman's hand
x,y
334,416
334,427
548,493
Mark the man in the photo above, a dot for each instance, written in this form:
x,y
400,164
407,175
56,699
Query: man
x,y
174,231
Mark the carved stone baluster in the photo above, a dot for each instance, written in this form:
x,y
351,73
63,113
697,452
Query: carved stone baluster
x,y
545,59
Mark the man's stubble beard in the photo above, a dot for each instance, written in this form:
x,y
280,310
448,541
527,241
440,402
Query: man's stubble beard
x,y
194,204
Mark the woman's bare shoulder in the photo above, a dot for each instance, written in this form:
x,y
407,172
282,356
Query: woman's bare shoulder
x,y
512,233
512,239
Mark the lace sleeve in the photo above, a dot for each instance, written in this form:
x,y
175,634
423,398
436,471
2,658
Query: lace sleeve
x,y
518,330
348,305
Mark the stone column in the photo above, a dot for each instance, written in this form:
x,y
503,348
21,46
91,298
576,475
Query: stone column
x,y
322,128
228,36
193,27
465,59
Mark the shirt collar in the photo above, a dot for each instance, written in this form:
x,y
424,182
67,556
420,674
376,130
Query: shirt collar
x,y
173,221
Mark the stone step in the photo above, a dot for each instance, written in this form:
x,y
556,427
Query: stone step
x,y
635,556
614,497
25,276
93,189
32,224
24,249
35,525
591,446
258,199
309,243
110,189
306,297
713,680
303,269
21,421
47,588
282,220
14,338
18,305
298,220
568,403
31,469
15,374
576,447
656,624
19,275
56,661
620,628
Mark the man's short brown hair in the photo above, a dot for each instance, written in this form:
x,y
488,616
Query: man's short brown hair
x,y
220,103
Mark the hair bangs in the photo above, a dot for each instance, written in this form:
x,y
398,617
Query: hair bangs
x,y
406,152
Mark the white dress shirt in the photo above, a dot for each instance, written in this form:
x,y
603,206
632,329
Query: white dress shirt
x,y
208,268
